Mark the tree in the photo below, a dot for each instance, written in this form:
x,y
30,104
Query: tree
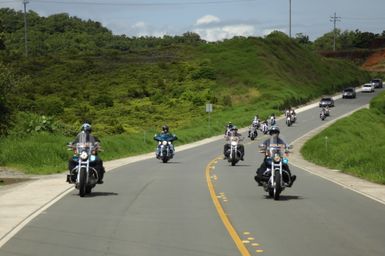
x,y
7,82
302,39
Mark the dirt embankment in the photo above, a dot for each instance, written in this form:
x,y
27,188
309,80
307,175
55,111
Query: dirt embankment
x,y
375,62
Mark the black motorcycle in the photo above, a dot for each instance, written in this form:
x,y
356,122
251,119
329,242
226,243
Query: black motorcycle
x,y
277,177
165,149
84,175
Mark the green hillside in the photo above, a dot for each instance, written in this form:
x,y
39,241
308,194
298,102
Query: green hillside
x,y
355,143
129,87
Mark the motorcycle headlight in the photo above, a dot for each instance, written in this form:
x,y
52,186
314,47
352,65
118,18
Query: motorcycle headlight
x,y
84,155
233,143
164,142
277,158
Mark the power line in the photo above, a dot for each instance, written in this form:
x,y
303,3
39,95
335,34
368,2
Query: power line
x,y
365,19
145,4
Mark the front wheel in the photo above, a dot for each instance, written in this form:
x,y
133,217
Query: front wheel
x,y
82,182
233,158
277,187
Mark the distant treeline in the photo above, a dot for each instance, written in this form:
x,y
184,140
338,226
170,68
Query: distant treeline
x,y
63,34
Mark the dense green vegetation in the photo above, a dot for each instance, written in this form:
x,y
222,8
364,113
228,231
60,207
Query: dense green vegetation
x,y
355,144
128,87
347,40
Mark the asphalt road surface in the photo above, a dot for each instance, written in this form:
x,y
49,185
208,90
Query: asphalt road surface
x,y
198,204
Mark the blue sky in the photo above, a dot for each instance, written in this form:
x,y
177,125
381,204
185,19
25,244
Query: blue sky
x,y
217,19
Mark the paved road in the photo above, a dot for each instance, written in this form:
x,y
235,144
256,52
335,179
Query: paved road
x,y
150,208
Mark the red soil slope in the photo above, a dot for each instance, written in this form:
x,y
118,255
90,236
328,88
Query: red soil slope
x,y
375,62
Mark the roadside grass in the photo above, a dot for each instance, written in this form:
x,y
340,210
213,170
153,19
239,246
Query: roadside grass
x,y
354,145
45,153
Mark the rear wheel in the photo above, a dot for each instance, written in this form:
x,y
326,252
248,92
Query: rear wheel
x,y
82,182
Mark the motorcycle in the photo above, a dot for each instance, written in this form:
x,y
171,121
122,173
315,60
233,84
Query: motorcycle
x,y
165,149
233,153
322,115
84,175
277,177
293,118
288,120
253,132
272,121
264,128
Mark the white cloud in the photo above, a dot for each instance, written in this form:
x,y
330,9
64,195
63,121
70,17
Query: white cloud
x,y
207,19
225,32
139,25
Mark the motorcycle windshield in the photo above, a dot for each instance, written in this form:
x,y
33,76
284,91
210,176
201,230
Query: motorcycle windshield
x,y
83,138
164,137
85,142
276,150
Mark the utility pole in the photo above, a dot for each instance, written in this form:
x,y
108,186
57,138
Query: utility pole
x,y
25,2
290,18
334,19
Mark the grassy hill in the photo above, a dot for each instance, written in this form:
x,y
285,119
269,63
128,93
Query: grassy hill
x,y
129,87
355,143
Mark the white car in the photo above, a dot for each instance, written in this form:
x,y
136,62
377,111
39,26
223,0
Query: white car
x,y
368,87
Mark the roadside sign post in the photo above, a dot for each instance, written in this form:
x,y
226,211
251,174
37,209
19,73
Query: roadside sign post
x,y
326,143
209,109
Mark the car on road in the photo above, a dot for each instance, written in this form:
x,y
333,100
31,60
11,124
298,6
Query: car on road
x,y
349,92
368,87
326,102
377,83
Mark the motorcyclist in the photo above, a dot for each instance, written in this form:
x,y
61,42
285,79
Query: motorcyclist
x,y
287,112
272,119
255,124
86,130
293,115
277,141
264,126
165,135
233,132
229,126
327,110
323,112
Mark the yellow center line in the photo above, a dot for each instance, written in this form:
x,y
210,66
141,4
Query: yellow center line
x,y
234,235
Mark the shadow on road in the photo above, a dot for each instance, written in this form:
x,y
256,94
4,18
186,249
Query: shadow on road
x,y
286,197
95,194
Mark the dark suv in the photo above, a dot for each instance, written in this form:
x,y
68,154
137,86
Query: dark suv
x,y
326,101
377,83
349,92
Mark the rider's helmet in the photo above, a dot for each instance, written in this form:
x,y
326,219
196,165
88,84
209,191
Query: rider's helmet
x,y
230,125
165,128
86,127
274,130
